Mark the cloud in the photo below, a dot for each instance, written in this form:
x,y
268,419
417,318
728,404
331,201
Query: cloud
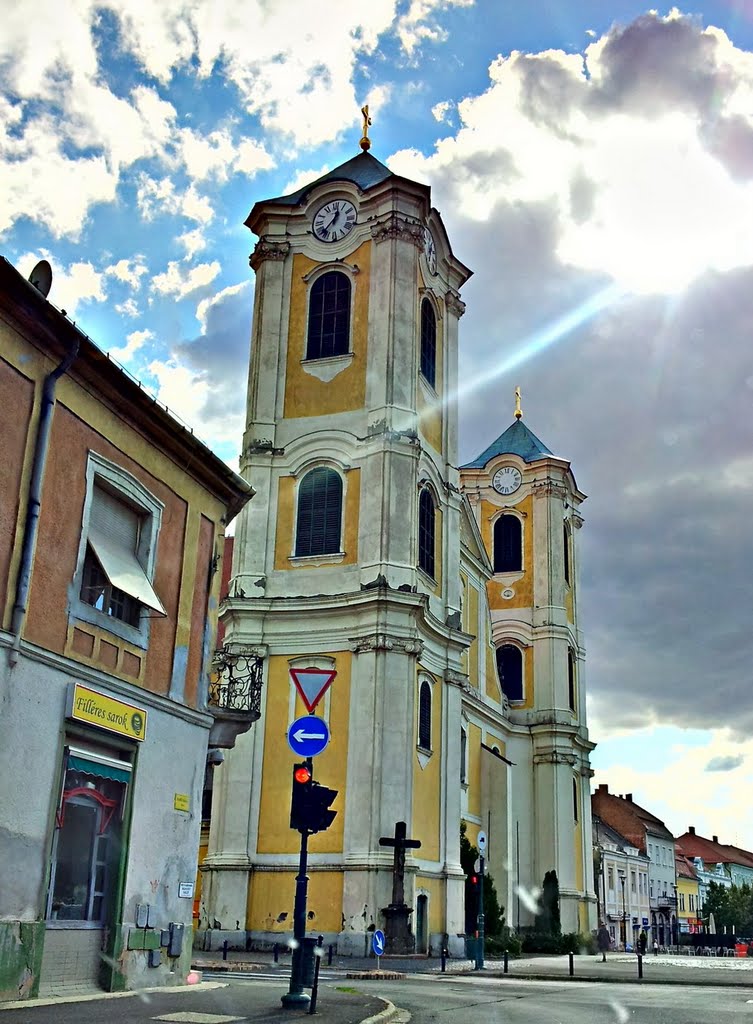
x,y
625,314
690,792
160,197
180,281
200,379
128,308
135,341
192,241
129,271
441,111
724,764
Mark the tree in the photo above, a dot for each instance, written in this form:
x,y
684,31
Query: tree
x,y
494,915
549,918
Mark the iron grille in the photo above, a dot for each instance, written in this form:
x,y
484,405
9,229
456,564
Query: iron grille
x,y
236,678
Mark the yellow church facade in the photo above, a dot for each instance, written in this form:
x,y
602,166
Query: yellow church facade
x,y
367,552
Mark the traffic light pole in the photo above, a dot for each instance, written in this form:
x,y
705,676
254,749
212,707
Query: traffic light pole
x,y
295,996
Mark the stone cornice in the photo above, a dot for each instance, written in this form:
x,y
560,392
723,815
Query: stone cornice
x,y
454,304
555,757
546,488
385,642
394,226
268,249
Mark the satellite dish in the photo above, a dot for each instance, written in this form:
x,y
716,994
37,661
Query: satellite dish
x,y
41,277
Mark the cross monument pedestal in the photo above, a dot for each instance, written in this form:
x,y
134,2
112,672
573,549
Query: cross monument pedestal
x,y
400,940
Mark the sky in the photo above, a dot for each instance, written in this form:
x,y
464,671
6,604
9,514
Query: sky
x,y
593,164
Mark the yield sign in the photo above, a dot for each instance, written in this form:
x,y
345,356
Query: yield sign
x,y
312,684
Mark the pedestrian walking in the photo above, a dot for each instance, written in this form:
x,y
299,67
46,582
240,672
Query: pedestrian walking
x,y
603,941
642,942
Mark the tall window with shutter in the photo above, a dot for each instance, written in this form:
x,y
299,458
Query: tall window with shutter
x,y
508,546
114,579
424,715
426,532
428,343
329,316
510,671
319,519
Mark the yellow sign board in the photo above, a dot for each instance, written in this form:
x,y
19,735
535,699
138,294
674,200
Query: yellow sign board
x,y
96,708
181,802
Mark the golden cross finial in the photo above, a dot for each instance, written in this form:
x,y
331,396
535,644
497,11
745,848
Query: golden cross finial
x,y
365,142
518,410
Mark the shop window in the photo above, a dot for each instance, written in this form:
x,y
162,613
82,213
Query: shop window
x,y
87,843
329,316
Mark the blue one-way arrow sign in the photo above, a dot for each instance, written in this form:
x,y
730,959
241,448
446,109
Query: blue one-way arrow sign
x,y
308,736
377,942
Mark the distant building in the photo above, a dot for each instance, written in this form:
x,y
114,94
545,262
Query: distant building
x,y
650,836
112,517
621,874
715,862
689,905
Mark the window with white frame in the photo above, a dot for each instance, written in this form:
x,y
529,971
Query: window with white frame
x,y
610,878
118,548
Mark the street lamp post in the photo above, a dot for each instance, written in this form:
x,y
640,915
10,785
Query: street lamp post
x,y
675,928
623,929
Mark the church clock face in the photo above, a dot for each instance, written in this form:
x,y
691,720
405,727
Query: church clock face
x,y
430,251
334,220
507,480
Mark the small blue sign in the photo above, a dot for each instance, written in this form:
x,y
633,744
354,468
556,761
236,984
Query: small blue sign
x,y
645,920
377,942
308,736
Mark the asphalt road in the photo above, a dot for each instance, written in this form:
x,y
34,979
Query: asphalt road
x,y
496,1001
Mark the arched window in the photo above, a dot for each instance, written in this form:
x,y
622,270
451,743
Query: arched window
x,y
510,671
428,343
320,499
424,716
463,755
426,532
329,316
566,552
508,544
571,678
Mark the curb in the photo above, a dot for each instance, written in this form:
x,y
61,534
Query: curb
x,y
376,976
387,1014
227,965
609,980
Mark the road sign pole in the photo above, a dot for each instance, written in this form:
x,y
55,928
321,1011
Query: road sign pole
x,y
480,918
295,996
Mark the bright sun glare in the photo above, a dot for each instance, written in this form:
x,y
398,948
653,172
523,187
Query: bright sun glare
x,y
663,210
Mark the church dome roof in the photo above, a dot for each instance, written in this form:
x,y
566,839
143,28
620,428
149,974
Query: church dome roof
x,y
364,171
516,440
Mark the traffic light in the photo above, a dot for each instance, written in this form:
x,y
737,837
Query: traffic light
x,y
309,806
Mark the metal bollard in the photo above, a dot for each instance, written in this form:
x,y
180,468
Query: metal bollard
x,y
572,965
224,949
640,966
318,953
444,959
329,955
507,959
276,953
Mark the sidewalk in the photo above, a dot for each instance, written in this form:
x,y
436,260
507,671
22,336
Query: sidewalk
x,y
665,969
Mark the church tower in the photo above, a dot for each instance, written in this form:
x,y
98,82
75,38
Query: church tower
x,y
526,504
346,560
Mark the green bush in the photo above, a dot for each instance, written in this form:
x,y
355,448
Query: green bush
x,y
572,942
541,942
495,946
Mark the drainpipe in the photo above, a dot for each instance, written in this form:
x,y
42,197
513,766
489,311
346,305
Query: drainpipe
x,y
34,504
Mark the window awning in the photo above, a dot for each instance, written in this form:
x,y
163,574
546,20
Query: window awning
x,y
98,765
124,571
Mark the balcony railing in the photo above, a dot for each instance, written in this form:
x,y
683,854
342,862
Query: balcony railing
x,y
234,692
